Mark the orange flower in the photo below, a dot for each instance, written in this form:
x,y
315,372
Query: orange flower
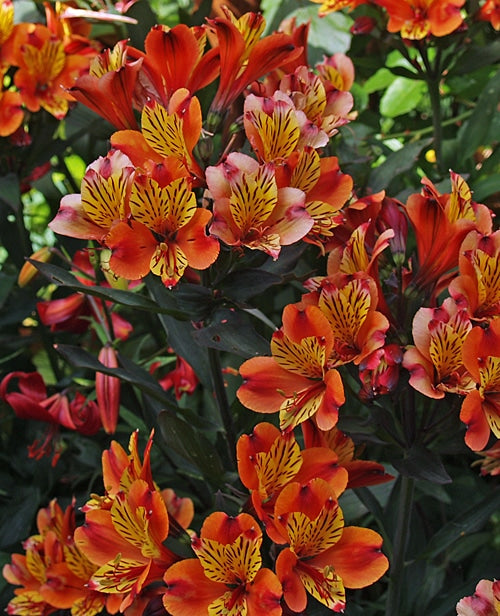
x,y
166,133
46,70
349,303
323,557
490,11
484,602
435,362
441,223
165,235
415,19
477,288
109,86
329,6
481,407
227,577
298,380
268,460
251,210
361,472
243,57
174,58
125,530
54,573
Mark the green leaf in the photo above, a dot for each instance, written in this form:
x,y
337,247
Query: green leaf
x,y
396,164
421,463
380,80
244,284
231,332
476,130
469,521
18,515
63,278
401,96
10,192
193,446
477,57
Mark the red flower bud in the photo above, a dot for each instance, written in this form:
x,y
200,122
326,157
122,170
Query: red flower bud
x,y
108,390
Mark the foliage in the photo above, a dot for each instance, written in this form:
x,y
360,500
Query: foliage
x,y
236,262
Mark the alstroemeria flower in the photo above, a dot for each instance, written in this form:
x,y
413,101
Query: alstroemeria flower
x,y
379,372
329,6
46,70
477,287
103,200
361,472
32,402
11,109
125,530
227,577
53,574
325,106
481,408
109,86
175,58
166,133
269,459
416,19
337,70
323,557
349,303
275,128
435,362
107,389
490,462
484,602
164,236
298,380
441,223
490,11
249,208
326,190
243,57
182,379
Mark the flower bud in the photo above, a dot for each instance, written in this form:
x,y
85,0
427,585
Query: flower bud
x,y
108,390
28,270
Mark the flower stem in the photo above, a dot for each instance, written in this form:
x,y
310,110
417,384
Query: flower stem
x,y
393,607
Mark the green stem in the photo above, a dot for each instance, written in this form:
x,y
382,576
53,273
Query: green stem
x,y
222,402
429,129
396,573
432,79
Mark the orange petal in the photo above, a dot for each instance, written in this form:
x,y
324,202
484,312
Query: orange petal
x,y
189,592
132,248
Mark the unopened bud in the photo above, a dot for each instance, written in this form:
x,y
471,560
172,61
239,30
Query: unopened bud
x,y
28,270
108,390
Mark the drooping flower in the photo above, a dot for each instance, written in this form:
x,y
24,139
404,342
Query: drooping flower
x,y
251,210
490,460
299,380
435,363
481,408
53,574
416,19
484,602
323,557
227,576
269,459
182,379
31,401
379,372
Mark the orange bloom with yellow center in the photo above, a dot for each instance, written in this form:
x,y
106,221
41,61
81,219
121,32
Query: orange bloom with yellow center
x,y
251,210
481,407
125,530
323,557
46,70
268,460
164,236
298,380
349,302
416,19
227,577
54,574
477,287
329,6
435,362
